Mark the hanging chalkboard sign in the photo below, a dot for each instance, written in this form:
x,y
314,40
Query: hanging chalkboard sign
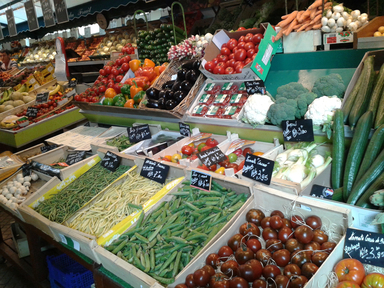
x,y
367,247
201,180
110,161
258,168
72,83
321,192
42,98
298,130
1,36
47,13
211,156
11,23
48,148
30,10
61,11
32,112
73,158
154,170
139,133
185,130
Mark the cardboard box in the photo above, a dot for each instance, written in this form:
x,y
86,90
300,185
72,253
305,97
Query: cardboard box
x,y
363,37
32,83
24,155
60,153
259,68
304,41
337,38
268,199
139,279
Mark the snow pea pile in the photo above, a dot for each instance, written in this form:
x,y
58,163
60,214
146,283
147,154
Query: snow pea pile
x,y
62,205
164,242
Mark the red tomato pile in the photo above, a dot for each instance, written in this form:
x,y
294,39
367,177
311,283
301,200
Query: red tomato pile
x,y
44,108
291,250
351,274
235,54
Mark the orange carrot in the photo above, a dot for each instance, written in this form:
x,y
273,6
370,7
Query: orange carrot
x,y
317,26
297,26
284,16
318,12
280,34
304,15
299,14
290,27
313,12
316,19
309,27
316,4
303,27
288,20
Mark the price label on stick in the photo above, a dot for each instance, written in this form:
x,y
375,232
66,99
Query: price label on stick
x,y
298,130
201,180
185,130
139,133
73,158
42,98
32,112
154,170
110,161
211,156
48,148
26,170
321,192
367,247
258,168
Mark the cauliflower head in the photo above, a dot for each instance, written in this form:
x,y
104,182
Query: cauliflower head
x,y
291,90
256,108
321,110
329,85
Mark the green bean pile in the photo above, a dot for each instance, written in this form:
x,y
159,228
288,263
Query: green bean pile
x,y
63,204
121,142
165,241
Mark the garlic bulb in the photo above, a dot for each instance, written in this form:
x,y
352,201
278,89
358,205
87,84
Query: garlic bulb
x,y
336,15
349,21
338,8
341,22
355,14
324,21
331,22
329,14
352,26
345,15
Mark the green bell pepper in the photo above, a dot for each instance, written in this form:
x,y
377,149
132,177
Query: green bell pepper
x,y
108,101
138,97
125,90
119,100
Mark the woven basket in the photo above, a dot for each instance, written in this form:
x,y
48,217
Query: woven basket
x,y
183,106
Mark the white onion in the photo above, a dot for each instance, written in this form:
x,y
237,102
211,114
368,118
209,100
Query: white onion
x,y
331,22
338,8
352,26
355,14
333,29
339,29
349,21
329,13
325,29
345,15
340,22
363,19
358,23
336,15
324,21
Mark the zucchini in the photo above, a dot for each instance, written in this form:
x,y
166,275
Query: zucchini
x,y
338,150
376,169
338,194
348,104
178,30
364,95
380,111
378,88
374,148
356,151
364,199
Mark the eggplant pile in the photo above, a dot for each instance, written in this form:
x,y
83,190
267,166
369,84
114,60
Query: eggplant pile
x,y
174,91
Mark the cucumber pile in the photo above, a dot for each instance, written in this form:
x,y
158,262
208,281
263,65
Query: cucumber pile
x,y
155,44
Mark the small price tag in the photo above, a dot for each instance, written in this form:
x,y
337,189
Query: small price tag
x,y
42,98
211,156
321,192
154,170
32,112
173,77
48,148
26,170
255,86
367,247
75,157
185,130
139,133
258,168
201,180
72,83
298,130
87,32
110,161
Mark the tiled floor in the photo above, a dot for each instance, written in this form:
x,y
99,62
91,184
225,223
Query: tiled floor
x,y
9,276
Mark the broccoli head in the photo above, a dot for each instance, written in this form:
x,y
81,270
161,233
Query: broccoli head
x,y
290,90
303,100
280,112
329,85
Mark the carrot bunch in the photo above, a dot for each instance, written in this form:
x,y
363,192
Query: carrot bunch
x,y
309,19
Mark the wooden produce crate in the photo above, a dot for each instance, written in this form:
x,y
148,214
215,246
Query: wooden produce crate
x,y
267,200
54,155
9,170
304,41
137,278
24,155
363,37
181,108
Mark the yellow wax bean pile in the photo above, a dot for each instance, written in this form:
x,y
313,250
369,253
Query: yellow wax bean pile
x,y
112,206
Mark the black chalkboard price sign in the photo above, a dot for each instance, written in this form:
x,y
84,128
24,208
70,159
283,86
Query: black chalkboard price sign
x,y
42,98
211,156
367,247
154,170
11,22
72,83
185,130
139,133
298,130
48,148
26,170
321,192
110,161
33,24
61,11
255,86
201,180
47,13
73,158
258,168
32,112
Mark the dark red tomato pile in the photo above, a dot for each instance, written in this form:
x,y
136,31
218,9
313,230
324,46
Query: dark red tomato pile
x,y
235,54
294,250
110,77
44,108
